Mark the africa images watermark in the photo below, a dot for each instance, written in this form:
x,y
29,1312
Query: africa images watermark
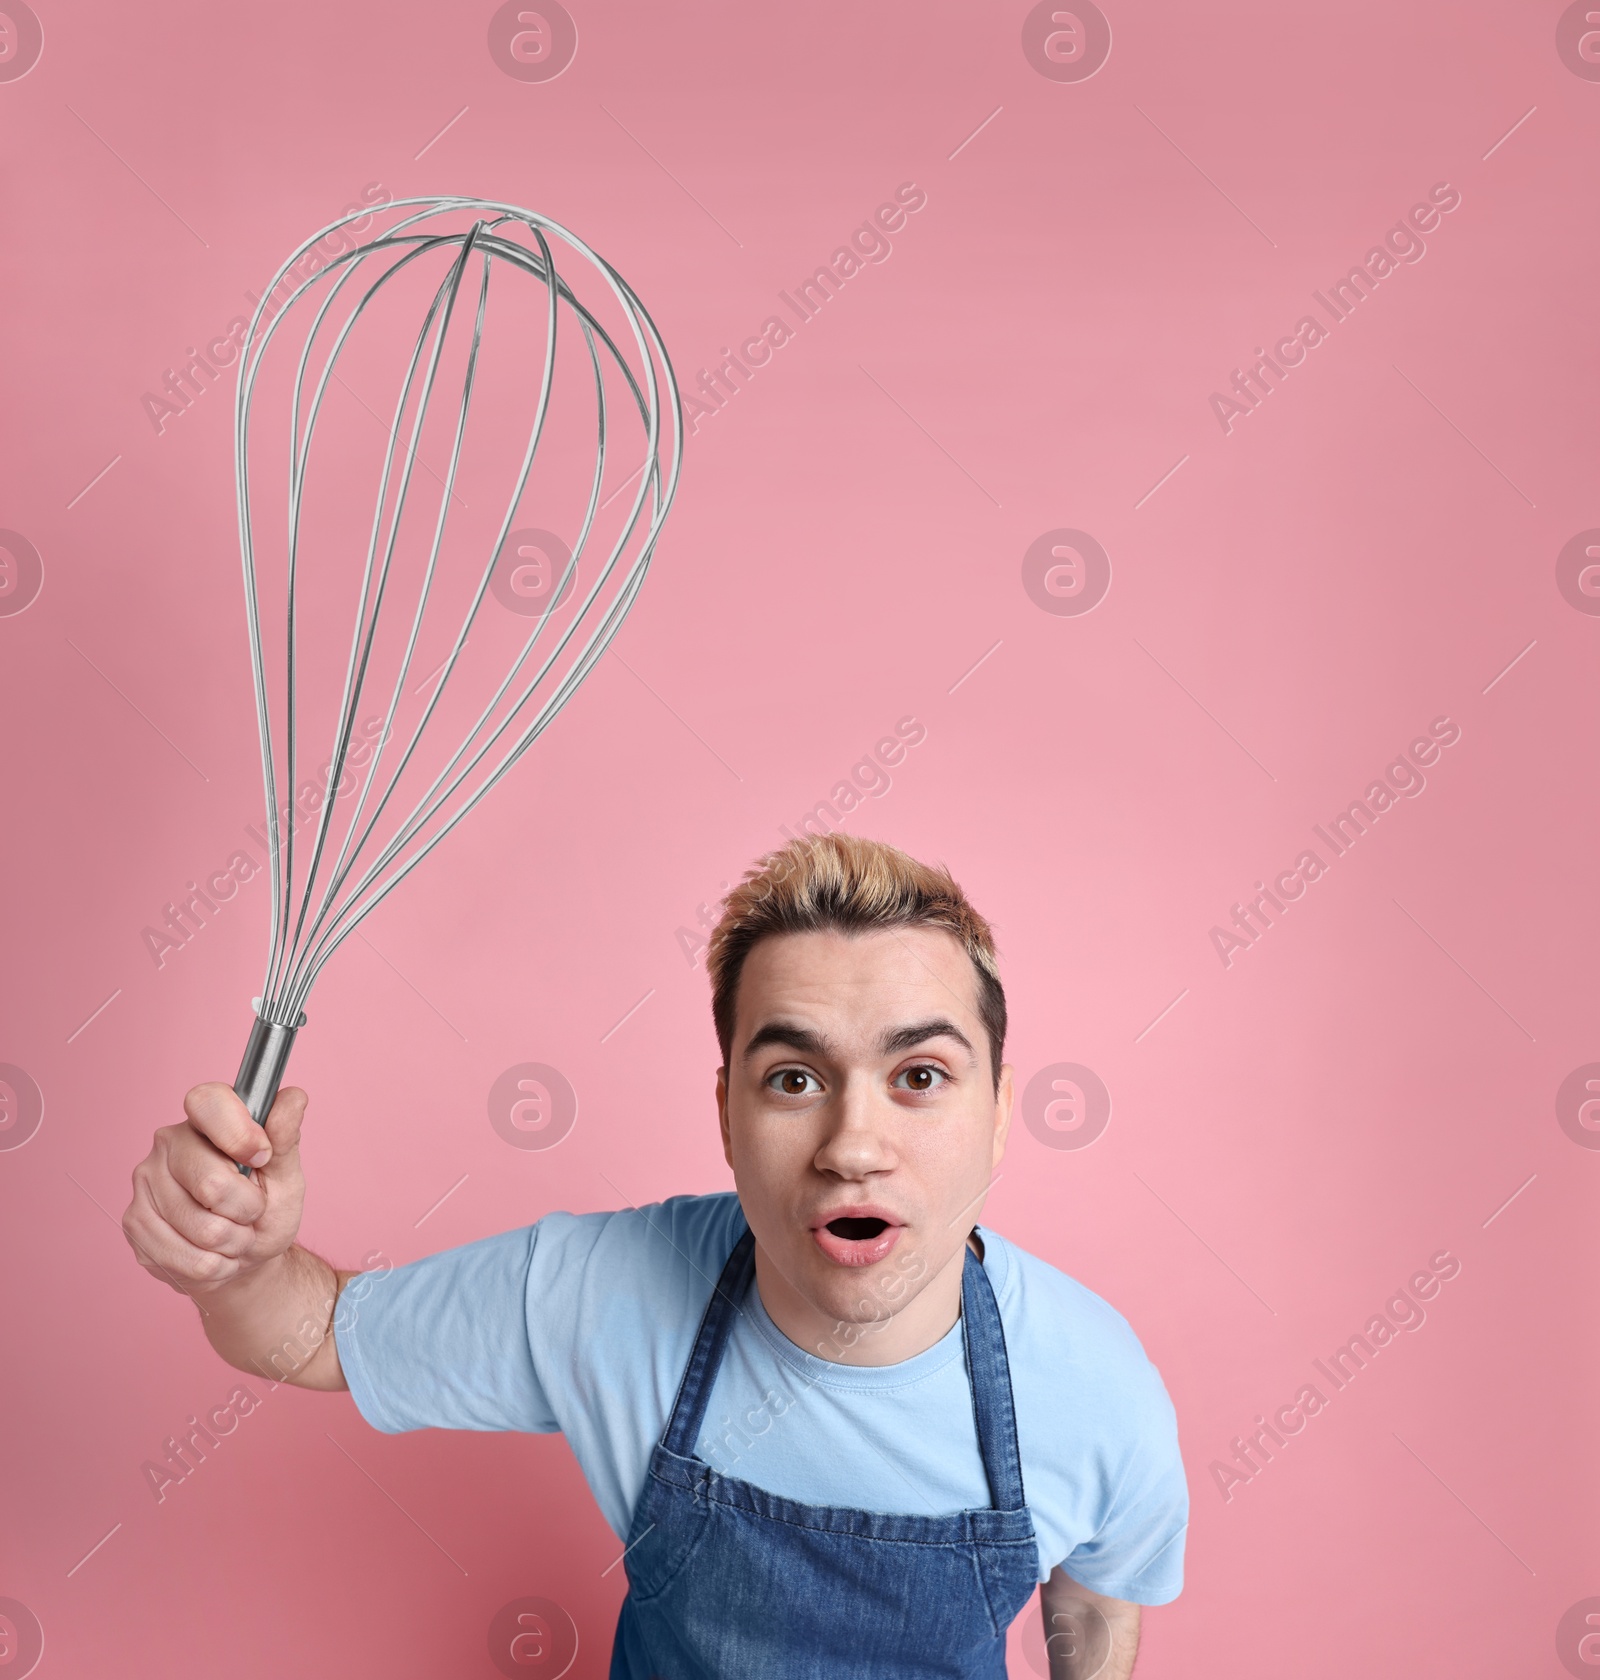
x,y
881,1299
184,917
869,243
194,376
1401,779
183,1452
868,778
1402,1311
1403,243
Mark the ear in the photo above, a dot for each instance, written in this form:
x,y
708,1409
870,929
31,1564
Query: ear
x,y
722,1115
1003,1099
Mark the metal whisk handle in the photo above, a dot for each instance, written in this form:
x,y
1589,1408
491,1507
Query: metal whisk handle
x,y
266,1055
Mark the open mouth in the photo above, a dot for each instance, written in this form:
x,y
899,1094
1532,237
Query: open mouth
x,y
856,1239
856,1230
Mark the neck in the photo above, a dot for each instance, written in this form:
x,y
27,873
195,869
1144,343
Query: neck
x,y
913,1329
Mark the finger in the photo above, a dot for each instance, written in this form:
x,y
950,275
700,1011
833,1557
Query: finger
x,y
283,1127
135,1219
197,1225
215,1111
201,1170
165,1253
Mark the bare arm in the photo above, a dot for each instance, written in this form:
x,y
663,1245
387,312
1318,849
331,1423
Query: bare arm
x,y
227,1241
1087,1635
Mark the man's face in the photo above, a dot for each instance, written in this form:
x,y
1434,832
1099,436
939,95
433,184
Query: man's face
x,y
861,1120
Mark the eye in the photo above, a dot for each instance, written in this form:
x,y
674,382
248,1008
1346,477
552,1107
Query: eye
x,y
794,1082
920,1078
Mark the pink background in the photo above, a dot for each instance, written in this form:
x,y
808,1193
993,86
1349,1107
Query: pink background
x,y
1369,551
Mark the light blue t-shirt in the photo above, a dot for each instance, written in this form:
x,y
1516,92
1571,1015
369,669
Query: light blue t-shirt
x,y
583,1323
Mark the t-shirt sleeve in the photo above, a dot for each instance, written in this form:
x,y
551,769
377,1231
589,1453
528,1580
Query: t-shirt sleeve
x,y
442,1343
1137,1552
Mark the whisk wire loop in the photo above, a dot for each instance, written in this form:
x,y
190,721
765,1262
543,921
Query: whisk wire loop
x,y
401,796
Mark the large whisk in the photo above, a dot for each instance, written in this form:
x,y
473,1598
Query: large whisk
x,y
520,450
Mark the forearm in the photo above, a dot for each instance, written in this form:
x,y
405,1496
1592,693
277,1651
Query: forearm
x,y
1088,1636
276,1321
1123,1643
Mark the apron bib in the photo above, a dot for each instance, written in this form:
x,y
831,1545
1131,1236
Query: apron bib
x,y
729,1582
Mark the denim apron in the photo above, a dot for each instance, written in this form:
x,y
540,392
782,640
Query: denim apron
x,y
730,1582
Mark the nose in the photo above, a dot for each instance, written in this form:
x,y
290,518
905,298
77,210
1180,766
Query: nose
x,y
856,1143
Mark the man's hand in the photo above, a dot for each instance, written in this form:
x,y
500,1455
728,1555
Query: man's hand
x,y
195,1220
197,1223
1087,1635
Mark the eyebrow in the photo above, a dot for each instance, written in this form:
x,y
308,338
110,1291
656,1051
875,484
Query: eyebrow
x,y
919,1032
789,1035
809,1043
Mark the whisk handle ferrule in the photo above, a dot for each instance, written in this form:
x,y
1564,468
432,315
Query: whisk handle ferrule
x,y
266,1055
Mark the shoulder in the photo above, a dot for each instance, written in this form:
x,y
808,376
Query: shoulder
x,y
1064,1338
613,1301
663,1252
1098,1434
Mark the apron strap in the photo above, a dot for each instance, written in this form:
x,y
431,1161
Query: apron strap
x,y
694,1392
989,1372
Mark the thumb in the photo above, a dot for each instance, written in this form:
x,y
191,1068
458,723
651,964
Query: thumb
x,y
283,1125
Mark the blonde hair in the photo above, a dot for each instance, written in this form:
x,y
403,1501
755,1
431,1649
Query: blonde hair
x,y
840,882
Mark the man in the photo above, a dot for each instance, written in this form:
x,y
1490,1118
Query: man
x,y
842,1429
